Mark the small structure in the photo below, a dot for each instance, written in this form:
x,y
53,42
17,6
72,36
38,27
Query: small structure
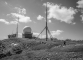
x,y
27,32
12,36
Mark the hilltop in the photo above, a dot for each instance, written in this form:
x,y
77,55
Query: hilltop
x,y
31,49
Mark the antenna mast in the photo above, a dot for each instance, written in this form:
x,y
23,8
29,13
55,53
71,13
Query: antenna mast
x,y
46,24
46,27
17,28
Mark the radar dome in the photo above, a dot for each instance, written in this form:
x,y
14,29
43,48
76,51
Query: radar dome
x,y
27,29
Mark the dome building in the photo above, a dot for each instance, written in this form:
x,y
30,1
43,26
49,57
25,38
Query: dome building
x,y
27,32
27,29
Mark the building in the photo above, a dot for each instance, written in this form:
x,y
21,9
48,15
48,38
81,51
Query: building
x,y
27,32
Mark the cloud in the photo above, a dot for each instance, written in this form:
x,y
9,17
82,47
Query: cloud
x,y
20,11
22,18
4,21
20,35
40,17
6,3
60,12
53,33
35,34
81,17
13,22
56,33
74,23
49,21
80,4
7,22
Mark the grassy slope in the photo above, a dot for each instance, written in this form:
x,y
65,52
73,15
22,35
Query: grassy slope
x,y
45,51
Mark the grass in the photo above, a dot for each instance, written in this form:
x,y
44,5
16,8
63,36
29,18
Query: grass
x,y
42,50
43,55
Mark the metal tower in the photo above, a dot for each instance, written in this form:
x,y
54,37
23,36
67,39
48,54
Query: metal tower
x,y
46,27
17,28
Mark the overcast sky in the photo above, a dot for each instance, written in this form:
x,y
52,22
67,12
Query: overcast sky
x,y
65,19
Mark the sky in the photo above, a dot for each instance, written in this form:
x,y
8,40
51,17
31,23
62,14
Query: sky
x,y
65,19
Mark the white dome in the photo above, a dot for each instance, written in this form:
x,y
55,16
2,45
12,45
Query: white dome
x,y
27,29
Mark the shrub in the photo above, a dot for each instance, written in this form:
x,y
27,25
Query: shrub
x,y
2,47
16,50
